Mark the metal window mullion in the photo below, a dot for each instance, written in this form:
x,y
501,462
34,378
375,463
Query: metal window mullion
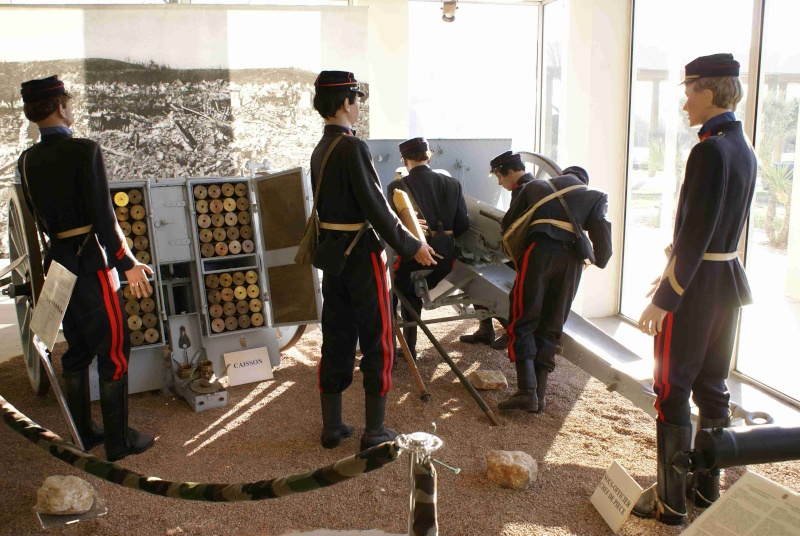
x,y
537,140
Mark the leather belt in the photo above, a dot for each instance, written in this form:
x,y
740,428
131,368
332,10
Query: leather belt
x,y
720,256
74,232
341,226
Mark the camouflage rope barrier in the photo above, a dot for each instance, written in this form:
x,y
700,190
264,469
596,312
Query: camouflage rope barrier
x,y
344,469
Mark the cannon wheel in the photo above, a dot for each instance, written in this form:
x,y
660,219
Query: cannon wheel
x,y
544,167
26,281
289,335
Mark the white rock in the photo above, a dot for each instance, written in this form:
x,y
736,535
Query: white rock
x,y
64,495
488,379
511,468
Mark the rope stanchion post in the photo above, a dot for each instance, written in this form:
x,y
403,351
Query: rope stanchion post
x,y
422,518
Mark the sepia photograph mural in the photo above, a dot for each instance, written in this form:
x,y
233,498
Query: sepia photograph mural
x,y
178,91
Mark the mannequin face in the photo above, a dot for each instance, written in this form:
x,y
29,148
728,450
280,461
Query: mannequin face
x,y
507,181
699,105
352,111
66,113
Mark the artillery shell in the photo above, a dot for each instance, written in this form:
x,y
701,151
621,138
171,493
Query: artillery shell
x,y
251,276
221,249
234,247
215,310
231,219
200,191
205,235
127,293
229,205
214,296
137,212
122,213
134,322
229,308
227,189
240,293
151,335
240,189
244,321
215,206
233,233
231,323
253,291
218,325
147,305
246,232
201,206
120,199
219,234
132,307
204,221
129,241
149,320
214,191
143,257
255,306
135,196
212,281
225,280
242,203
137,338
257,319
217,220
238,278
141,243
242,307
244,218
139,228
248,246
227,294
207,250
126,227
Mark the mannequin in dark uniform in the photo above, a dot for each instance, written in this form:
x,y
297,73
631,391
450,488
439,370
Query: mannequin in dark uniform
x,y
549,270
357,303
65,185
486,333
696,302
442,206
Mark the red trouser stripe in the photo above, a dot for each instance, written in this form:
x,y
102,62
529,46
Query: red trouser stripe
x,y
386,334
663,344
115,323
516,303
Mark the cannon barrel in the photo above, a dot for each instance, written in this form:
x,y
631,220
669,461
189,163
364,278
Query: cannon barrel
x,y
718,448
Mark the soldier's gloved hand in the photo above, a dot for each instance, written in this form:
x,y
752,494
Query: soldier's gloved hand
x,y
652,319
655,284
423,224
137,278
425,255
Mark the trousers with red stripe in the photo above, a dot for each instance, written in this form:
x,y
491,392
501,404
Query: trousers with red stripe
x,y
95,323
356,309
547,280
692,358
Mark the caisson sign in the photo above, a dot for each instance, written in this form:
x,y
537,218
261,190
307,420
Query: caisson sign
x,y
248,366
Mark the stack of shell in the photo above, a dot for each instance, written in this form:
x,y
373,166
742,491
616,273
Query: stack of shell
x,y
234,300
223,219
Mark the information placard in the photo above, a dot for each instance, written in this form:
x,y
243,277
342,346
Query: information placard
x,y
248,366
52,303
615,496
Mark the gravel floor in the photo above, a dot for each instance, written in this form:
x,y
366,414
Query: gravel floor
x,y
272,429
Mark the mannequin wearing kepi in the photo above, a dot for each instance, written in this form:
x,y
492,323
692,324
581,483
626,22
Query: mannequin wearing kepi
x,y
440,202
548,269
356,302
695,307
66,188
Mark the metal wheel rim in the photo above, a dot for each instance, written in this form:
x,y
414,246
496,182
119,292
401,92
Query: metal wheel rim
x,y
288,336
544,165
23,240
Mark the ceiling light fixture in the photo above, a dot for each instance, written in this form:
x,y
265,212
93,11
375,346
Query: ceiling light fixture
x,y
449,10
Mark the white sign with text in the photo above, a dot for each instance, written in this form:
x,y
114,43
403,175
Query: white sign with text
x,y
248,366
615,496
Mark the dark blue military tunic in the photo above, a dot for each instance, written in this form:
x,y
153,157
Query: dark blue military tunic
x,y
704,284
357,304
549,270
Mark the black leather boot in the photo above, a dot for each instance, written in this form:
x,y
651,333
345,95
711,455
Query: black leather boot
x,y
333,429
525,397
666,499
541,386
500,343
120,440
707,490
375,432
80,406
485,334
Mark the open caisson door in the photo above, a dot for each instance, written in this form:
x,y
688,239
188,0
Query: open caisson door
x,y
283,200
